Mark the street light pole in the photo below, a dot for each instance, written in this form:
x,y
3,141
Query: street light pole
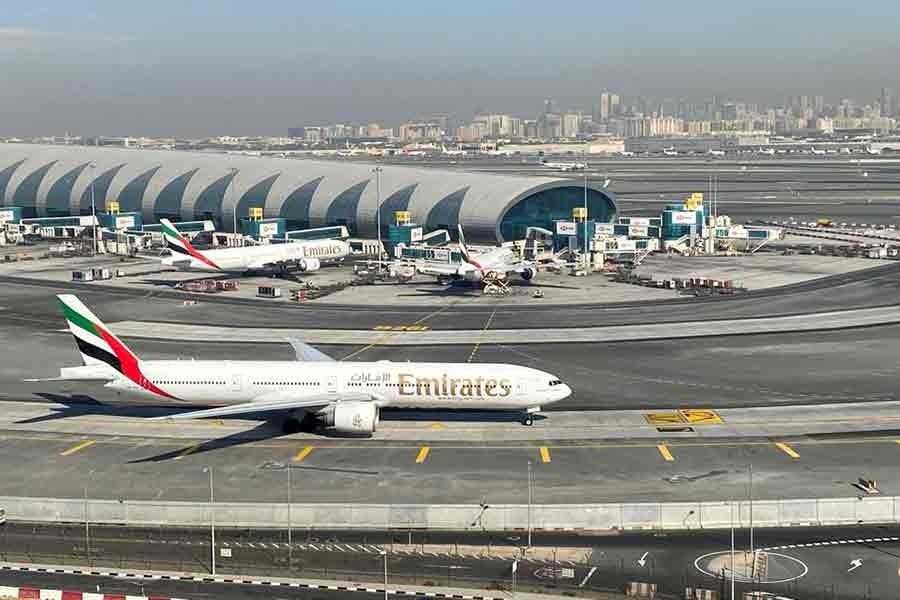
x,y
94,246
385,555
231,185
529,504
377,171
290,540
212,519
586,243
87,521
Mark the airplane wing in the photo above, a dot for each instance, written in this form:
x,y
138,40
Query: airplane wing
x,y
437,268
307,353
274,401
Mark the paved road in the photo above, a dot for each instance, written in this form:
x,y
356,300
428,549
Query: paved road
x,y
811,561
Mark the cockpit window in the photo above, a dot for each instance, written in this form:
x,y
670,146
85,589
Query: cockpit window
x,y
555,382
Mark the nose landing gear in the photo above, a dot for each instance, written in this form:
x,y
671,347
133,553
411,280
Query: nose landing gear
x,y
527,420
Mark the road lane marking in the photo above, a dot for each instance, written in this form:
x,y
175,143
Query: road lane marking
x,y
186,451
787,449
545,454
77,448
423,454
664,451
303,454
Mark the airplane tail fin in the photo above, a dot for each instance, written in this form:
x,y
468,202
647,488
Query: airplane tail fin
x,y
179,244
174,240
462,243
97,344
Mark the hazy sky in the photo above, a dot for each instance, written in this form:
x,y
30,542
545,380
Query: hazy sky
x,y
214,67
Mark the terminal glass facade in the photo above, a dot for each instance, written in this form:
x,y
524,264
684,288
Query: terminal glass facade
x,y
542,208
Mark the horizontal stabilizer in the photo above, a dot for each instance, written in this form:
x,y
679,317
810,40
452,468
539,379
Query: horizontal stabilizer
x,y
307,353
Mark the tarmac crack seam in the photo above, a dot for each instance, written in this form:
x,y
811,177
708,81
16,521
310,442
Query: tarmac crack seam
x,y
481,335
388,336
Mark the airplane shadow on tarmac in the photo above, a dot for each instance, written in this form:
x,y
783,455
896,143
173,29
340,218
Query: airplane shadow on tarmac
x,y
78,405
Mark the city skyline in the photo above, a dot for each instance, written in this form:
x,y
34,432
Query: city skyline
x,y
212,68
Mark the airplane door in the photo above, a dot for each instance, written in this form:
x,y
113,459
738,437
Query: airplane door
x,y
235,382
521,387
331,384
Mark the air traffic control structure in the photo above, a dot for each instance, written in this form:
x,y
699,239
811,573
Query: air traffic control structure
x,y
52,181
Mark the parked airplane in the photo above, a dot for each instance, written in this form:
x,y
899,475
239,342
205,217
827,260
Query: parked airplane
x,y
458,152
712,152
670,152
314,391
496,263
564,166
767,151
301,255
818,152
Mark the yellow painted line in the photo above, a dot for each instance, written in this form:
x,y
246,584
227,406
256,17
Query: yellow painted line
x,y
545,454
700,416
666,418
303,454
664,450
186,451
423,454
787,450
80,446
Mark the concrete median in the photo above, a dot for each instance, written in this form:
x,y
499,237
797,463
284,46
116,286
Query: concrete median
x,y
462,517
865,317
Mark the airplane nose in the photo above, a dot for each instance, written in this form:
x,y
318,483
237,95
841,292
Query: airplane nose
x,y
563,391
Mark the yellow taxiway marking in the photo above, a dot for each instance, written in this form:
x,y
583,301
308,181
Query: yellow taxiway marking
x,y
481,335
75,449
442,426
188,450
303,454
423,454
700,416
664,451
401,328
545,454
666,418
787,449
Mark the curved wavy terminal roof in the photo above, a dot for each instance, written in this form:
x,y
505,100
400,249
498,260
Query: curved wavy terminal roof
x,y
185,186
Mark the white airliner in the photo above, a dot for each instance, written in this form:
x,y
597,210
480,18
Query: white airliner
x,y
712,152
314,391
303,255
564,166
496,263
458,152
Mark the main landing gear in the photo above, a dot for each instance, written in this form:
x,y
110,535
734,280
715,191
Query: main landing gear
x,y
304,424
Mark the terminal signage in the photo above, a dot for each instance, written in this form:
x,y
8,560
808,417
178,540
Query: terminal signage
x,y
415,234
6,216
124,222
268,229
684,218
637,231
566,228
603,228
639,221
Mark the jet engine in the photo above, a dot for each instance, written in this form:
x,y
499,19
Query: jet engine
x,y
473,276
528,273
351,417
309,264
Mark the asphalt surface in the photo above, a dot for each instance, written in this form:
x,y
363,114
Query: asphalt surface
x,y
810,562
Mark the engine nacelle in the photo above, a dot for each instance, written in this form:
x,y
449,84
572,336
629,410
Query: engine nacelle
x,y
528,273
309,264
351,417
473,276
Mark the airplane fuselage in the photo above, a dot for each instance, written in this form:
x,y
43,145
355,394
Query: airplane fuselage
x,y
390,384
250,258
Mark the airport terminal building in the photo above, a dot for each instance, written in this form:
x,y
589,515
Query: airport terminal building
x,y
186,186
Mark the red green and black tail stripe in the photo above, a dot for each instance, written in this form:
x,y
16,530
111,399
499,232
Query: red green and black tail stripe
x,y
98,345
178,243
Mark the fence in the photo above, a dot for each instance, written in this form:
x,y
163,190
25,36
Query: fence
x,y
468,517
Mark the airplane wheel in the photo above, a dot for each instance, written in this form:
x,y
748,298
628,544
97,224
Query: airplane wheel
x,y
528,420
